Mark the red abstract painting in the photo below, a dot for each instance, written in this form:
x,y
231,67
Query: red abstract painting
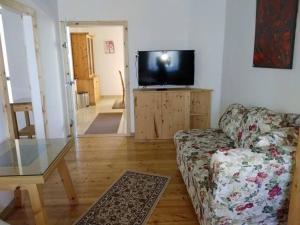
x,y
275,33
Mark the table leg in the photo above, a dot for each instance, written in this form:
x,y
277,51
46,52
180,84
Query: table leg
x,y
18,198
67,181
37,204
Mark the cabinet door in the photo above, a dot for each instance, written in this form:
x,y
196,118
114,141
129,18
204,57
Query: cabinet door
x,y
80,56
200,109
175,112
200,122
147,115
200,103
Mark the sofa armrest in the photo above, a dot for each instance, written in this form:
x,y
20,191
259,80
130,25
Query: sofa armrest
x,y
251,183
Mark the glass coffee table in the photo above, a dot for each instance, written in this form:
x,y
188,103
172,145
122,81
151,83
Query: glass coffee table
x,y
27,163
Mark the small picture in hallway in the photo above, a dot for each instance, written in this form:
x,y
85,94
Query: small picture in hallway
x,y
275,33
109,47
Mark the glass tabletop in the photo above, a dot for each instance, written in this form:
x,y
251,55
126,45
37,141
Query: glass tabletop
x,y
29,157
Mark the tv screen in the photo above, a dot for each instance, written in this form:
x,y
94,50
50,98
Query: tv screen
x,y
166,67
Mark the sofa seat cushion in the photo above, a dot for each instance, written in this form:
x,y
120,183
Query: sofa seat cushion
x,y
194,151
258,121
231,120
195,147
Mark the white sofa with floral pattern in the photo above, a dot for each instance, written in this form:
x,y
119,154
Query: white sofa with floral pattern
x,y
240,174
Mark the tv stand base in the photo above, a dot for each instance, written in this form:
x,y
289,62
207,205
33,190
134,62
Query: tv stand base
x,y
160,114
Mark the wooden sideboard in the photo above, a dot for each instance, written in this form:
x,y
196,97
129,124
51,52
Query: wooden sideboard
x,y
83,56
84,67
160,113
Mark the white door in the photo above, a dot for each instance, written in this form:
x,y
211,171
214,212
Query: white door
x,y
69,78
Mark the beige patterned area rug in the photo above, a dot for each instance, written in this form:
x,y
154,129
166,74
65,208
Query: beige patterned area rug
x,y
129,201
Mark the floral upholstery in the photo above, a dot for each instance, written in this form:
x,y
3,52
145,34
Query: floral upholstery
x,y
257,184
286,136
231,120
236,185
194,151
255,122
292,120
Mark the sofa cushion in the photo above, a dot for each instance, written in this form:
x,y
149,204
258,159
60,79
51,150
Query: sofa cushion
x,y
257,121
195,147
286,136
257,183
194,151
231,120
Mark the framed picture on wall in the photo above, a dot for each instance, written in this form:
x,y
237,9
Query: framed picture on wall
x,y
109,47
275,33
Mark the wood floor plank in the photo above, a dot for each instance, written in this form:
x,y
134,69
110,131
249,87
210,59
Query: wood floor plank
x,y
95,164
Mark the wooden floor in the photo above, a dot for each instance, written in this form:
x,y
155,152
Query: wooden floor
x,y
96,164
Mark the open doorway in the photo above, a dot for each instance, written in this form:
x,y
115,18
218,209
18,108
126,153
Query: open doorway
x,y
97,61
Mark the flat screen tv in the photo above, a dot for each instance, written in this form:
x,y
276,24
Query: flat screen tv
x,y
166,67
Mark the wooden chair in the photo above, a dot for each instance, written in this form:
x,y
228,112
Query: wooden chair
x,y
29,129
123,87
294,209
120,104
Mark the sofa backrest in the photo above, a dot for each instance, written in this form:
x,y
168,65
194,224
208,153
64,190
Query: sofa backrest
x,y
230,121
291,120
257,125
285,136
257,121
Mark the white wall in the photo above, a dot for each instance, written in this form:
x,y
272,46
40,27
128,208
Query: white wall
x,y
107,65
273,88
152,24
206,36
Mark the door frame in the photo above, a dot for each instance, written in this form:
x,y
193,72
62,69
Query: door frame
x,y
23,9
124,25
